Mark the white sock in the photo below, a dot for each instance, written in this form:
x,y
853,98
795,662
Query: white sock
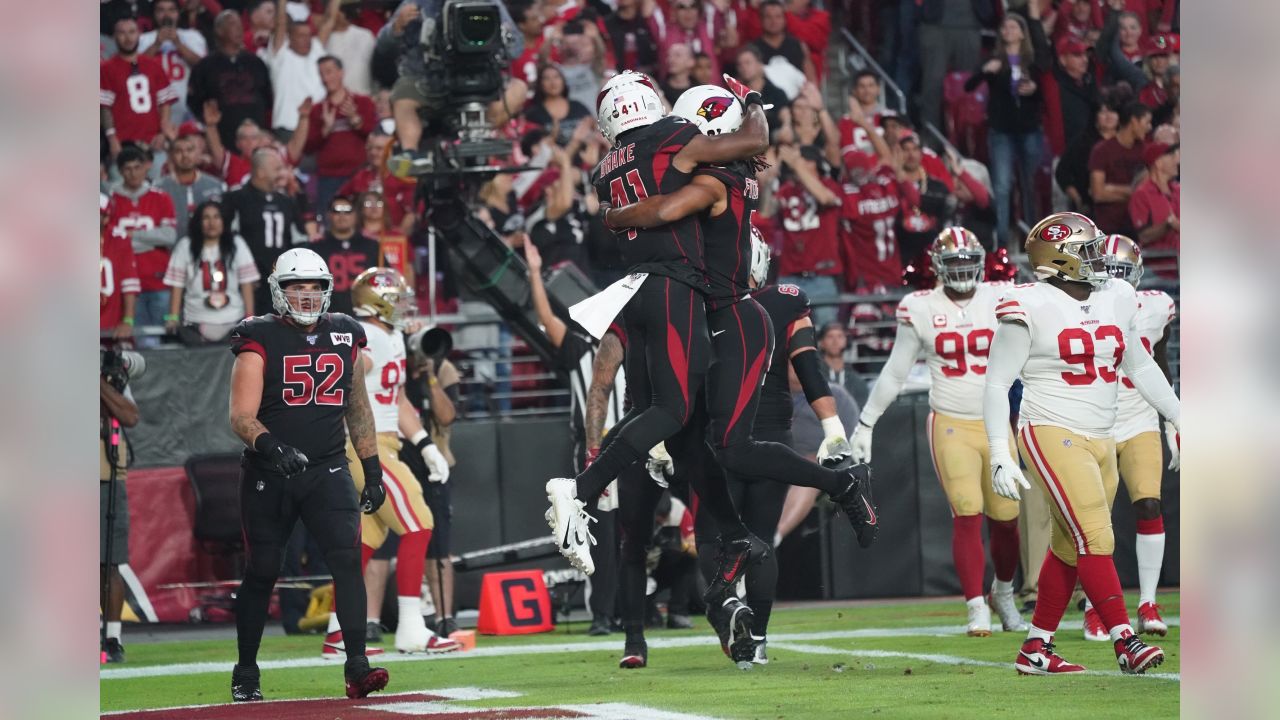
x,y
1035,632
374,620
1002,587
1120,631
1150,558
113,630
409,605
333,622
976,602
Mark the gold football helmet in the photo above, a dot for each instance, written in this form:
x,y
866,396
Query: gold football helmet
x,y
958,258
1123,259
1067,246
382,293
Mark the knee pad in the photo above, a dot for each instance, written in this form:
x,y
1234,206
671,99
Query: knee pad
x,y
1147,508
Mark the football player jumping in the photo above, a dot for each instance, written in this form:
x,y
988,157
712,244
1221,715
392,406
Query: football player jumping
x,y
1069,336
1137,436
952,325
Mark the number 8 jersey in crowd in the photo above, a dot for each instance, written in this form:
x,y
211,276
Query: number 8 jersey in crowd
x,y
956,340
385,379
1072,376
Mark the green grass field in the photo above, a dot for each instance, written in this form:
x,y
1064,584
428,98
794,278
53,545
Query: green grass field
x,y
891,660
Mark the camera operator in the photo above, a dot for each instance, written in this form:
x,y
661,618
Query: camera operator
x,y
116,410
402,38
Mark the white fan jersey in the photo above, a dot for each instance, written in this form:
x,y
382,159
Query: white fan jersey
x,y
955,339
1134,415
385,380
1072,376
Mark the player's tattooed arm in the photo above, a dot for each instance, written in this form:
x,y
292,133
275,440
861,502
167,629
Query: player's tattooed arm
x,y
603,372
701,193
751,139
360,419
246,396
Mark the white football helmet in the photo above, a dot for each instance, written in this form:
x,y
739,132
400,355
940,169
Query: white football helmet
x,y
759,258
958,258
712,108
628,101
1123,259
300,264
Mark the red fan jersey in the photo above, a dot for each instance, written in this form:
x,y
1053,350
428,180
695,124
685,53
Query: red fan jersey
x,y
810,232
152,209
117,276
867,236
135,91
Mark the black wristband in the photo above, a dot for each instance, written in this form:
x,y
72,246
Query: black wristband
x,y
265,444
372,470
425,441
753,98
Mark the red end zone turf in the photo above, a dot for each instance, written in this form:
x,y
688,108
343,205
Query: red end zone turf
x,y
382,707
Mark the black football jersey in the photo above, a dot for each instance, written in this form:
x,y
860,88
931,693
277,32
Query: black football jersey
x,y
306,382
727,236
785,304
640,166
266,221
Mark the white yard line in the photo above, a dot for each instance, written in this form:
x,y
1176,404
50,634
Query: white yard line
x,y
564,647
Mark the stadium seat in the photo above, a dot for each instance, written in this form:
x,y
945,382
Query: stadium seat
x,y
965,116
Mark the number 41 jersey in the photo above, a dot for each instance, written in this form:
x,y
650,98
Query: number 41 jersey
x,y
955,340
1072,377
306,378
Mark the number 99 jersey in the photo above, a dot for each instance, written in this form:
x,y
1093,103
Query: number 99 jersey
x,y
385,379
1072,376
956,340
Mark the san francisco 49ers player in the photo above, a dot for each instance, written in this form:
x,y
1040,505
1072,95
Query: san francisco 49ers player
x,y
381,299
1069,336
952,325
1137,435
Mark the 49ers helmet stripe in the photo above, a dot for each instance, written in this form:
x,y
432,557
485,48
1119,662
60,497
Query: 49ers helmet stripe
x,y
958,258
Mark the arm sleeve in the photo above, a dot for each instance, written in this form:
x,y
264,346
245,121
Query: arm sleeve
x,y
1147,378
1009,352
893,376
809,372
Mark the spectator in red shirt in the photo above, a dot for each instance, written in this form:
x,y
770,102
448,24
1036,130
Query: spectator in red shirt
x,y
373,177
870,214
1154,206
688,27
1113,165
1075,19
1156,66
117,276
808,203
337,131
234,167
864,101
144,215
529,19
812,27
134,94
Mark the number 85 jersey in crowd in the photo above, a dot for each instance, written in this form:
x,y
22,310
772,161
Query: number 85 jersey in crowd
x,y
1072,375
306,378
955,339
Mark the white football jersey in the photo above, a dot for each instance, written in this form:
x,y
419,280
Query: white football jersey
x,y
1134,415
955,340
1072,376
385,380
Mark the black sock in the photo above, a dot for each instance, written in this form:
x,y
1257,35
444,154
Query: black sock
x,y
349,597
252,599
714,498
762,584
618,456
778,463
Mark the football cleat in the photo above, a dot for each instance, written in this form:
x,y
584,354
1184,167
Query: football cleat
x,y
634,656
570,523
113,650
761,654
362,679
1038,658
979,621
1149,620
245,684
732,559
733,624
1136,657
678,622
446,627
1094,630
336,649
858,505
415,637
1005,606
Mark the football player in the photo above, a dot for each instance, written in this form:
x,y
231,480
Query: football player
x,y
1068,336
952,326
1137,437
381,299
293,384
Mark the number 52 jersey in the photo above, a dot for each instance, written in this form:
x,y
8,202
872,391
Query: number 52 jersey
x,y
956,340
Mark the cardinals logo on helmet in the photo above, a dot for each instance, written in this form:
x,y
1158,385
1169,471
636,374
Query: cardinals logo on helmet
x,y
714,107
1055,233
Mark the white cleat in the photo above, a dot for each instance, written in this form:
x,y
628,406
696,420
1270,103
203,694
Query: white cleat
x,y
1093,629
570,523
1007,609
979,620
412,634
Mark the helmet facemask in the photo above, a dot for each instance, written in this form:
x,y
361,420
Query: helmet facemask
x,y
1123,270
960,270
310,304
1091,258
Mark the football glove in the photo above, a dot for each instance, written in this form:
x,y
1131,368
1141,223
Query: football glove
x,y
1007,477
287,460
835,449
660,465
374,493
437,465
592,454
861,444
740,90
1172,436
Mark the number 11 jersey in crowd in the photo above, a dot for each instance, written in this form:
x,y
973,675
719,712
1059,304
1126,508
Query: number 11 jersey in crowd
x,y
267,221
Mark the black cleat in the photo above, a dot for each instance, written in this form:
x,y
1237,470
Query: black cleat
x,y
858,505
373,632
732,559
634,655
447,627
362,679
599,626
245,685
114,650
676,621
732,620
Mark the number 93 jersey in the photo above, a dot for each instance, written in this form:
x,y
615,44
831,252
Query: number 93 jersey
x,y
385,379
956,340
1072,376
1135,416
306,378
